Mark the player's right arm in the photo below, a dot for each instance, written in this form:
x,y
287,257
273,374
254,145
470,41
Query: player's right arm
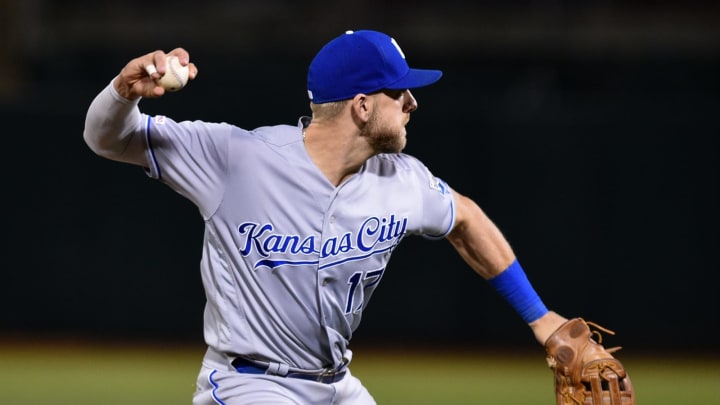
x,y
113,124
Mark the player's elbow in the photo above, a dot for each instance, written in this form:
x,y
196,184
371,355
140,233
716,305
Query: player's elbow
x,y
95,143
91,142
104,139
108,147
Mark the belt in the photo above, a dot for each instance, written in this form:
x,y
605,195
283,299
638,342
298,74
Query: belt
x,y
326,377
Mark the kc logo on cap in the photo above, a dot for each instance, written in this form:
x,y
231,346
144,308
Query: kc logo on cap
x,y
362,62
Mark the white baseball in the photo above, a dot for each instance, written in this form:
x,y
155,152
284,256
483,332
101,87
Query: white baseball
x,y
176,75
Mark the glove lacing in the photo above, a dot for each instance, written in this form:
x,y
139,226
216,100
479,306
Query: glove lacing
x,y
599,336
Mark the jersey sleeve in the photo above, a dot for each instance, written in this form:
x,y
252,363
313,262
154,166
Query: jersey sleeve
x,y
437,208
190,157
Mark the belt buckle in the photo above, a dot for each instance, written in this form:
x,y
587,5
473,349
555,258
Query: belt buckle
x,y
330,375
326,375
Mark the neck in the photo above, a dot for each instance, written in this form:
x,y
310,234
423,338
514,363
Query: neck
x,y
337,151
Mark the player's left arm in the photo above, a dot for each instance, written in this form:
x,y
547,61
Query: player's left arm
x,y
486,250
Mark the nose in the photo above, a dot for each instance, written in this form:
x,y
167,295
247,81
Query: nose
x,y
410,103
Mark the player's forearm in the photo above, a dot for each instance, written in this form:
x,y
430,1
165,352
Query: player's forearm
x,y
487,251
110,123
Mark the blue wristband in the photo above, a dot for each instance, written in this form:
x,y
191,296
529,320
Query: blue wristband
x,y
514,286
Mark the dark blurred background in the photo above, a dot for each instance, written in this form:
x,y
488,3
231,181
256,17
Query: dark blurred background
x,y
587,130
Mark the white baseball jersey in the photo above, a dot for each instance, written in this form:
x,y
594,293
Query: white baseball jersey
x,y
289,260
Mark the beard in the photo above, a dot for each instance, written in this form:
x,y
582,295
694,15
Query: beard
x,y
383,136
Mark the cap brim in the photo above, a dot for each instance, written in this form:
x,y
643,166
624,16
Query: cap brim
x,y
416,78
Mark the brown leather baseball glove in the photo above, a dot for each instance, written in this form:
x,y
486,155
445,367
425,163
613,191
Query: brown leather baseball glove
x,y
585,372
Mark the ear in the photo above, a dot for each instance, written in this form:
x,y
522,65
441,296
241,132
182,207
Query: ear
x,y
361,105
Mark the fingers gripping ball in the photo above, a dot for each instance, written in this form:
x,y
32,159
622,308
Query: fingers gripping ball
x,y
585,372
175,77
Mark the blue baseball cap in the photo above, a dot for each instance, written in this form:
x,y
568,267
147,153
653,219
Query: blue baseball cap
x,y
362,62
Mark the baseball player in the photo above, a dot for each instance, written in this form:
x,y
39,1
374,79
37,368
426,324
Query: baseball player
x,y
301,220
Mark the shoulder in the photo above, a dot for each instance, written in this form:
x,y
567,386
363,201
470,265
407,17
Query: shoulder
x,y
408,168
396,162
276,135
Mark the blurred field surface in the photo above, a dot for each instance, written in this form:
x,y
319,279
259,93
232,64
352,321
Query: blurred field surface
x,y
115,374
